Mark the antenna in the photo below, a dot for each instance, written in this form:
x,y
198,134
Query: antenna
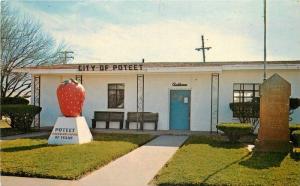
x,y
203,48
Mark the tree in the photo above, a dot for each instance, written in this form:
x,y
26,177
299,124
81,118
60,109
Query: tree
x,y
23,44
247,112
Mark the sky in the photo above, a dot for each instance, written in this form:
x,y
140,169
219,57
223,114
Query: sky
x,y
169,30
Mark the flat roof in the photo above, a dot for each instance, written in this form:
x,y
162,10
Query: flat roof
x,y
165,64
157,67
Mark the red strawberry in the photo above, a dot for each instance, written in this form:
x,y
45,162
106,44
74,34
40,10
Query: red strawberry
x,y
70,95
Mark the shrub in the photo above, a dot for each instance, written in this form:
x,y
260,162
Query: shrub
x,y
292,128
294,103
14,101
296,137
234,131
21,115
248,112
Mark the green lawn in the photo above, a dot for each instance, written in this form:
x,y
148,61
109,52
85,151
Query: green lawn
x,y
211,161
34,157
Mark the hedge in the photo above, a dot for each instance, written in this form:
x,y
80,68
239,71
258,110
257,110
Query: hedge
x,y
21,116
234,131
13,101
296,137
246,110
294,127
294,103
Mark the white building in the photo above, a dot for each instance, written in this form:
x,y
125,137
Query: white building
x,y
188,96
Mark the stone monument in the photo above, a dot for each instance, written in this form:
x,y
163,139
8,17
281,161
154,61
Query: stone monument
x,y
273,133
71,128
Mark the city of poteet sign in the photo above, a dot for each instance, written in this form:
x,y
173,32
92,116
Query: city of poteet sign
x,y
110,67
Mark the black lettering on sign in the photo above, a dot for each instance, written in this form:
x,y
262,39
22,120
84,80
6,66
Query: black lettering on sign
x,y
64,129
178,84
122,67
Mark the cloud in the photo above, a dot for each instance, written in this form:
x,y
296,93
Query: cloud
x,y
95,39
159,41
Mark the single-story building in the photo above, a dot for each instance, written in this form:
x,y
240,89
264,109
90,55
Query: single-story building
x,y
186,95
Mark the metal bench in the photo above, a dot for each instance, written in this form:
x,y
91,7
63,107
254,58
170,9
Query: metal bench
x,y
142,117
108,117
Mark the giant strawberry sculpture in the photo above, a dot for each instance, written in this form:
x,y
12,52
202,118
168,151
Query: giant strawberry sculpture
x,y
70,96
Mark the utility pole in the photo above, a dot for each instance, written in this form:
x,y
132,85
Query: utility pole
x,y
65,56
203,48
265,40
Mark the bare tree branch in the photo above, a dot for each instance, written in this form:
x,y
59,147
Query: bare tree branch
x,y
23,44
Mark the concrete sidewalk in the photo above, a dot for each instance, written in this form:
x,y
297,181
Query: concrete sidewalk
x,y
136,168
33,134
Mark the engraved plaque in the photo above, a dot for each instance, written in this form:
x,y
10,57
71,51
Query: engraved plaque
x,y
273,134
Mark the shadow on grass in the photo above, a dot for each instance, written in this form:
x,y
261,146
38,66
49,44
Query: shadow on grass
x,y
10,132
23,148
203,183
264,160
227,145
184,184
131,138
214,141
225,167
6,132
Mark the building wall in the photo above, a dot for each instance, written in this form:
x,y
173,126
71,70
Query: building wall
x,y
227,78
157,98
157,95
50,109
97,93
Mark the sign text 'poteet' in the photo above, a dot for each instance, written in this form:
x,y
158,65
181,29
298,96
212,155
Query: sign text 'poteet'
x,y
116,67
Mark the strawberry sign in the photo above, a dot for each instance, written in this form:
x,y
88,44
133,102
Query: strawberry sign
x,y
70,95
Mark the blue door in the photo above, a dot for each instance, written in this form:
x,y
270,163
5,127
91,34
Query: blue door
x,y
180,109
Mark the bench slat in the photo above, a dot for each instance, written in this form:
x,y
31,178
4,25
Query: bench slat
x,y
107,117
146,117
101,116
116,116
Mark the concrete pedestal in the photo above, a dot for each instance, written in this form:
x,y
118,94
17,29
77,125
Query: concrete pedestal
x,y
272,146
70,130
273,133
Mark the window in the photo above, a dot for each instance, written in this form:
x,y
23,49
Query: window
x,y
116,95
245,98
245,92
